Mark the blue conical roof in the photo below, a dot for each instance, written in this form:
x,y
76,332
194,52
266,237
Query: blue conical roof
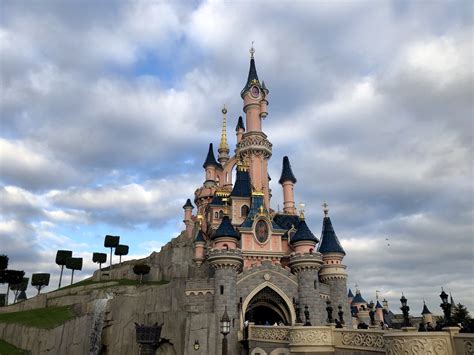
x,y
378,305
425,309
242,186
226,230
240,124
188,204
286,172
303,233
350,294
253,77
329,241
211,159
199,236
358,298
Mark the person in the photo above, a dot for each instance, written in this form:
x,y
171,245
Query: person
x,y
362,325
338,324
381,325
429,327
280,323
267,322
275,324
439,326
385,326
421,327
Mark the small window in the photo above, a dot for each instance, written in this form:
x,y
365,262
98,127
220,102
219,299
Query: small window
x,y
221,214
226,247
244,211
222,289
216,215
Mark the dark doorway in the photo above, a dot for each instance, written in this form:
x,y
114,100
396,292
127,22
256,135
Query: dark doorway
x,y
267,307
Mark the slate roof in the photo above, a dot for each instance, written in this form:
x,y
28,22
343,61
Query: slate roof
x,y
188,204
226,230
242,186
286,172
252,76
217,200
329,241
286,221
264,87
240,124
199,237
350,294
425,309
211,159
358,298
378,305
257,201
303,233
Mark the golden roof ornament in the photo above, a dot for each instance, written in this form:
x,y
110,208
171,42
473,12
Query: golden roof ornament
x,y
301,205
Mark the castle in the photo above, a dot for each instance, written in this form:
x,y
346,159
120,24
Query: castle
x,y
259,265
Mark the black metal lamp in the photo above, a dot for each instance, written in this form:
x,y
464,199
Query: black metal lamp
x,y
196,345
446,307
225,329
405,309
329,311
340,314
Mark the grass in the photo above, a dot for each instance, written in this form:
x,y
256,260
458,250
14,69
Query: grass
x,y
9,349
45,318
122,282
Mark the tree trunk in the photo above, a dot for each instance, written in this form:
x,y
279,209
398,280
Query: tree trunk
x,y
61,276
141,278
110,259
100,271
8,293
39,289
72,276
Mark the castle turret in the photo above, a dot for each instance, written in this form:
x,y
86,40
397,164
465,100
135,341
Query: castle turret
x,y
225,237
350,296
211,164
287,180
188,208
199,247
305,263
254,145
379,312
427,316
241,194
239,129
223,146
333,271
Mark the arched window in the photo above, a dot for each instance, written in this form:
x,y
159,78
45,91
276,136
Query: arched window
x,y
226,247
244,211
221,214
216,215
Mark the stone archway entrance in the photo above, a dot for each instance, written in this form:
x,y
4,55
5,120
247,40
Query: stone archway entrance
x,y
268,307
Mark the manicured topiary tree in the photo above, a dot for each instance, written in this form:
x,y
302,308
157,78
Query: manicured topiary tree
x,y
141,269
40,280
19,287
111,241
120,250
13,277
99,258
61,257
73,264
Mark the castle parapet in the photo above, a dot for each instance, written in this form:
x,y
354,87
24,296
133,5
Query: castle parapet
x,y
306,261
222,258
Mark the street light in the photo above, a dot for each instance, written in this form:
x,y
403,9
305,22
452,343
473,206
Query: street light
x,y
225,329
405,309
196,345
446,306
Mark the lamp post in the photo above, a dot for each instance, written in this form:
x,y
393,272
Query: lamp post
x,y
340,314
329,309
446,306
225,329
405,309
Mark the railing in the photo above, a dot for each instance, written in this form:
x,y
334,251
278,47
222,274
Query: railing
x,y
273,334
434,343
464,344
368,340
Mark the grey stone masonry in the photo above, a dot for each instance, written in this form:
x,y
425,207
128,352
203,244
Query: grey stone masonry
x,y
338,287
227,264
306,267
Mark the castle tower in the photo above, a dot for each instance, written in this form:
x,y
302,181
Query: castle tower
x,y
199,247
254,145
227,262
188,208
305,263
379,312
223,146
211,165
333,271
241,194
287,180
239,129
427,316
350,296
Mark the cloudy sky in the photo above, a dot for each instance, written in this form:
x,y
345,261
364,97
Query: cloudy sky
x,y
107,109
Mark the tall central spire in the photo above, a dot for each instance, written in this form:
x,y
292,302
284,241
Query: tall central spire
x,y
223,146
252,79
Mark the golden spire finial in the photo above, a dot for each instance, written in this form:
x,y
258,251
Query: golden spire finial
x,y
325,209
301,205
223,146
252,51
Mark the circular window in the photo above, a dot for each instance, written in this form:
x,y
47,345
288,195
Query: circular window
x,y
261,231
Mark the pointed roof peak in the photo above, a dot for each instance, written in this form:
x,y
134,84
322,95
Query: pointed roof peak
x,y
425,309
226,229
199,236
286,172
303,233
378,305
350,294
252,78
188,204
240,124
210,158
329,241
